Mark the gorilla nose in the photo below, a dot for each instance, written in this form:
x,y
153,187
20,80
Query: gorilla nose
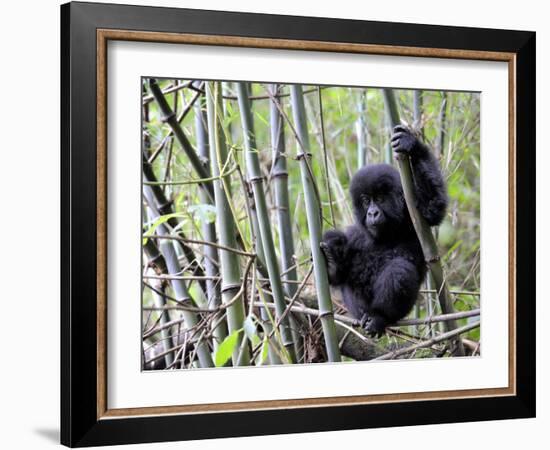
x,y
373,214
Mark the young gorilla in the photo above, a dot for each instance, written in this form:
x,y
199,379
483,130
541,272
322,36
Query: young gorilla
x,y
378,262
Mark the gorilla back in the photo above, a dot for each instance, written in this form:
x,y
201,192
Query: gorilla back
x,y
378,262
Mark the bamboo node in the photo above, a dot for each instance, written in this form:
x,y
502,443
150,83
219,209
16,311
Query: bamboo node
x,y
433,259
167,117
153,264
280,175
302,155
165,206
253,180
229,287
184,300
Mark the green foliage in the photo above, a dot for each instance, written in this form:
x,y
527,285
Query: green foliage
x,y
226,348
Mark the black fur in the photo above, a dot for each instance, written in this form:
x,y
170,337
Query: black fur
x,y
378,262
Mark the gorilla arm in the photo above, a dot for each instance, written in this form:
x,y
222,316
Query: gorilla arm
x,y
430,189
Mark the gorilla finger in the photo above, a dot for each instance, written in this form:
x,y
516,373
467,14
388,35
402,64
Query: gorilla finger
x,y
396,143
398,135
400,128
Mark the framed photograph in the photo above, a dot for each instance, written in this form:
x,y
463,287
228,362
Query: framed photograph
x,y
278,224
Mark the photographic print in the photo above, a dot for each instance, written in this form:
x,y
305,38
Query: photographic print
x,y
308,197
300,224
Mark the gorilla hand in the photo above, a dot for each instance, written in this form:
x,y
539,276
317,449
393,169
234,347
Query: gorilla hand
x,y
403,140
334,245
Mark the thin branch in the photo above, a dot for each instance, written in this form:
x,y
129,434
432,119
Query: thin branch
x,y
192,181
201,242
442,337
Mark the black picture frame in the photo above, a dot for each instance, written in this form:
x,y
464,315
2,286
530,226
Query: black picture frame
x,y
80,425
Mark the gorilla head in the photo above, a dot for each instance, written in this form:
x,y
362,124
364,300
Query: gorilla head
x,y
378,201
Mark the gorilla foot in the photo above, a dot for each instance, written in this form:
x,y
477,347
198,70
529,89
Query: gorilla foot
x,y
364,320
375,326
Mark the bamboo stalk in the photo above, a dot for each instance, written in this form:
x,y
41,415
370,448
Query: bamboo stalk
x,y
172,265
417,125
439,148
265,236
361,129
213,294
425,236
225,224
417,111
257,282
313,212
282,204
389,115
266,317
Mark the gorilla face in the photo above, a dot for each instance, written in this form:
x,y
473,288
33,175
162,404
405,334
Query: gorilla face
x,y
373,211
378,202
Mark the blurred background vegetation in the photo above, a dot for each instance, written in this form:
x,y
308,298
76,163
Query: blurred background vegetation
x,y
347,127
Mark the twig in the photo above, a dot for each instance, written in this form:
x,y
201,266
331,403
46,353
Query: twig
x,y
192,181
149,98
442,337
201,242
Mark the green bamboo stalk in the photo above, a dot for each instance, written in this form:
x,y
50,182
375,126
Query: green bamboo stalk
x,y
181,293
265,236
282,203
417,110
417,120
361,129
425,236
226,227
389,114
440,146
213,294
170,118
267,319
313,212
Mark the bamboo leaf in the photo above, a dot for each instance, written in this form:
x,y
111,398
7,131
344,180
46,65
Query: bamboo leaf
x,y
226,348
160,221
265,351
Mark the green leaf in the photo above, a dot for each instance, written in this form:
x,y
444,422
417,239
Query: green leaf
x,y
265,351
226,348
160,220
